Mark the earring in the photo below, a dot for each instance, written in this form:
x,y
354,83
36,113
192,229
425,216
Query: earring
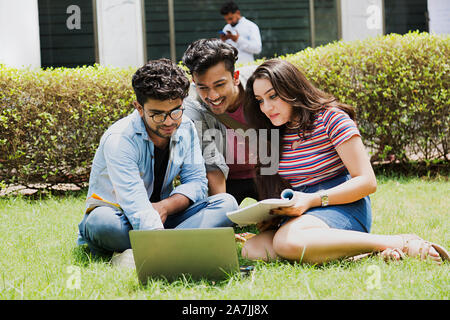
x,y
236,75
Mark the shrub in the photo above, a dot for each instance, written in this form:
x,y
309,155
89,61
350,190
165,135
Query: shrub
x,y
51,120
399,86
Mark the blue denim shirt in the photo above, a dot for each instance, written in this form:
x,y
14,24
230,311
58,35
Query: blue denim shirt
x,y
122,170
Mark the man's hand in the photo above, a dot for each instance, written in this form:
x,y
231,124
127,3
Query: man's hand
x,y
229,35
173,204
233,37
161,209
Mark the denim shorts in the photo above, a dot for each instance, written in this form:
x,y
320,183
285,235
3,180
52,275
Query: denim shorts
x,y
355,216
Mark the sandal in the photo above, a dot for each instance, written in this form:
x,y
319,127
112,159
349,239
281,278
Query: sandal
x,y
397,254
413,246
421,248
388,254
243,237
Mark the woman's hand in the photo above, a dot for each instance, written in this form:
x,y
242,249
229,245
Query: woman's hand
x,y
303,202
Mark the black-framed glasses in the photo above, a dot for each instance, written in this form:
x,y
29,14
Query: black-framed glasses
x,y
160,117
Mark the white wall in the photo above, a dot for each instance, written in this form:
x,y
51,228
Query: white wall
x,y
19,33
439,13
361,19
120,33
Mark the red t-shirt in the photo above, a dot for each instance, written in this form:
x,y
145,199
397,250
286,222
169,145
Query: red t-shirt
x,y
241,165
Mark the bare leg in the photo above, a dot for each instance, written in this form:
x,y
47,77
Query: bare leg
x,y
260,247
309,239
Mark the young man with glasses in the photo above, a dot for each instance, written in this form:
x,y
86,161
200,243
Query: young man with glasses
x,y
139,157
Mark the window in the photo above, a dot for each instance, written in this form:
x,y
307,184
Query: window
x,y
66,30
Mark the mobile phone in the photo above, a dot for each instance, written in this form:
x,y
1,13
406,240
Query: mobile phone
x,y
221,32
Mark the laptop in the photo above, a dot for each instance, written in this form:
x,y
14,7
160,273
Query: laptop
x,y
209,253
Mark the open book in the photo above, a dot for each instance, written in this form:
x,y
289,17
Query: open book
x,y
260,211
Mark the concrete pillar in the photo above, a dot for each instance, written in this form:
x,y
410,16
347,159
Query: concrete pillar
x,y
19,33
439,14
120,33
361,19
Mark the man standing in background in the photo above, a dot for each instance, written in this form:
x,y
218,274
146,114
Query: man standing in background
x,y
240,33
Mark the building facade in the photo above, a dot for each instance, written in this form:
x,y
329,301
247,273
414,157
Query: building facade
x,y
125,33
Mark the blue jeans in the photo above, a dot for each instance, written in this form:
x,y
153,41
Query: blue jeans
x,y
106,230
356,216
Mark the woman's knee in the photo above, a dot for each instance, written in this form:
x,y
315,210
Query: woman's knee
x,y
293,239
288,248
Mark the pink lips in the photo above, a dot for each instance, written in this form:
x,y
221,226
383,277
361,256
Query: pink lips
x,y
273,116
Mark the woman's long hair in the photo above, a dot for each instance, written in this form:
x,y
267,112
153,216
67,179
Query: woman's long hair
x,y
293,87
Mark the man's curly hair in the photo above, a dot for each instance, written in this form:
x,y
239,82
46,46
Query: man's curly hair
x,y
205,53
160,80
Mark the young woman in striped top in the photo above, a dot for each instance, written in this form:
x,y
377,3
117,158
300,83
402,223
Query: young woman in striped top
x,y
321,156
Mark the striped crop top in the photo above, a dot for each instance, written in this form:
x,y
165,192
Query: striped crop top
x,y
315,159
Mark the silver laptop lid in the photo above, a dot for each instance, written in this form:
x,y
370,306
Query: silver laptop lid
x,y
202,253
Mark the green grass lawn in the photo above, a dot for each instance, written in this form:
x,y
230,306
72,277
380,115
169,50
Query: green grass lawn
x,y
40,260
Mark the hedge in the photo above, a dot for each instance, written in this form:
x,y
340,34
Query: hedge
x,y
399,86
51,120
